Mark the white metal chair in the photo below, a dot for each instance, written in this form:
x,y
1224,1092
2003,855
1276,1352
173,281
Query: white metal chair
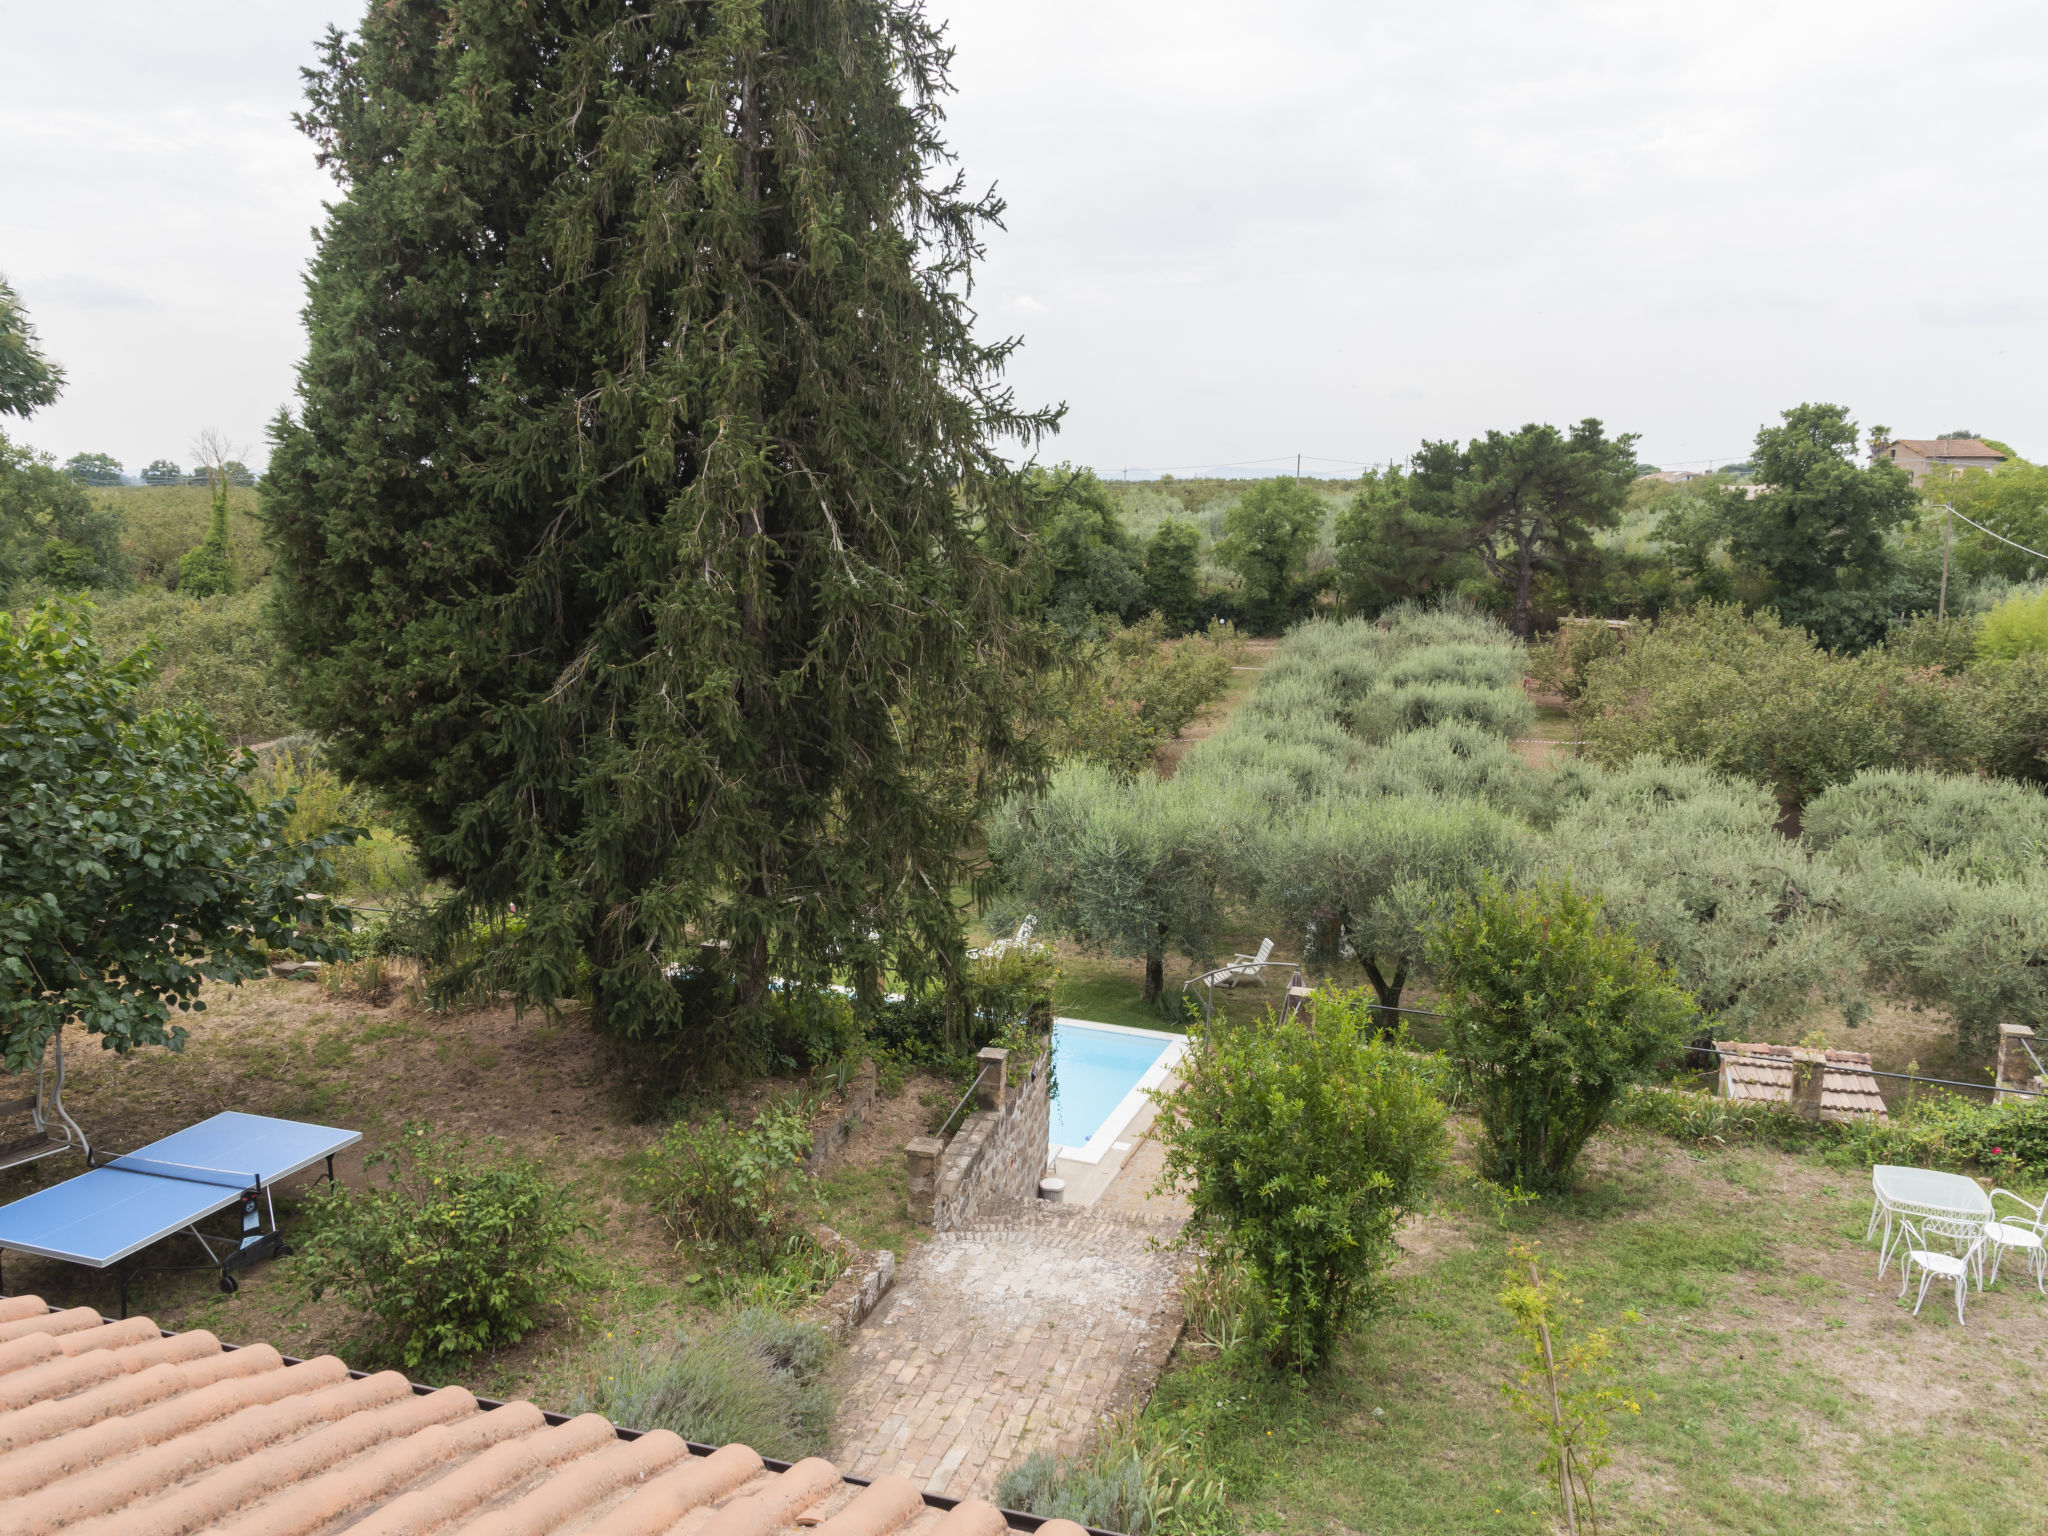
x,y
2023,1233
1244,968
1934,1264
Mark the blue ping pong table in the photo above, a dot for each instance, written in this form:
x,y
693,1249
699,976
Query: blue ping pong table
x,y
114,1211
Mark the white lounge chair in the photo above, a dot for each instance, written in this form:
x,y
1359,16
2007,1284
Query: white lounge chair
x,y
1001,946
2023,1233
1244,968
1934,1264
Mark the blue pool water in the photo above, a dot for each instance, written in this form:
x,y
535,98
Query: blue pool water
x,y
1095,1069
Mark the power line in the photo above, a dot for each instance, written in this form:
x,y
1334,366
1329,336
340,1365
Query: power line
x,y
2015,543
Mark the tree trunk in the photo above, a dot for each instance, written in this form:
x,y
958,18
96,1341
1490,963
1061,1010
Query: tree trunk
x,y
1525,570
1388,992
1155,972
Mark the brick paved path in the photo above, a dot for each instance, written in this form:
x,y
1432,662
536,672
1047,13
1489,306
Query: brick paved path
x,y
1021,1330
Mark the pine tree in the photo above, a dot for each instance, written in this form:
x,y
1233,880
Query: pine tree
x,y
644,535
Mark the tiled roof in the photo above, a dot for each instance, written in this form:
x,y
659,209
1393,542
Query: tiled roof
x,y
115,1429
1947,447
1761,1073
1766,1074
1847,1089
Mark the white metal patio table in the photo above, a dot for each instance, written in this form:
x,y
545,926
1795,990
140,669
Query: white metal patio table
x,y
1920,1192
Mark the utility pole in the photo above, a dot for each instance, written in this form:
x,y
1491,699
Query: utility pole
x,y
1948,537
1297,466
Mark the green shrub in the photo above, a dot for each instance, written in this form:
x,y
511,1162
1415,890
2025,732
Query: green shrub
x,y
2012,713
732,1194
1134,1478
1759,699
811,1026
216,652
208,568
453,1255
2016,627
1941,1129
1549,1013
1305,1144
760,1380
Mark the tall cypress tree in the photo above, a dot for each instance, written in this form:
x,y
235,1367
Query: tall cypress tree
x,y
644,535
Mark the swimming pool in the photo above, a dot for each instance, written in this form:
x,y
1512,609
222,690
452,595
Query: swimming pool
x,y
1104,1071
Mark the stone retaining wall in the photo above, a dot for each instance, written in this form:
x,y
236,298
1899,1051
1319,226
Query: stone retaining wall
x,y
998,1153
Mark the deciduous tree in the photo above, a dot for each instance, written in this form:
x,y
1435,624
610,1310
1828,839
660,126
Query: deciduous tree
x,y
1818,535
93,468
28,380
1173,573
134,866
1267,536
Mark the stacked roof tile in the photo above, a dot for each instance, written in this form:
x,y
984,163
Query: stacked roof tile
x,y
115,1429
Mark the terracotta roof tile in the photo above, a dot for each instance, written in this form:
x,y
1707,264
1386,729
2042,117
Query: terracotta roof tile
x,y
113,1429
1948,447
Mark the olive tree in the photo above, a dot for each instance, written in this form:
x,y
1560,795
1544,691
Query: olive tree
x,y
1126,866
1751,923
1371,878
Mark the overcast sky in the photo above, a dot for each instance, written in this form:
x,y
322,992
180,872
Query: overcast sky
x,y
1236,233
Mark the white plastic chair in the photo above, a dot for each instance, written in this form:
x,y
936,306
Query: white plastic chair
x,y
1934,1264
2021,1232
1243,968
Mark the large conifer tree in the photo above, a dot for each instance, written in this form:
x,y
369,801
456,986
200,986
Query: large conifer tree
x,y
644,533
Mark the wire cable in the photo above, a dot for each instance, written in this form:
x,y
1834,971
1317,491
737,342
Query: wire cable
x,y
2015,543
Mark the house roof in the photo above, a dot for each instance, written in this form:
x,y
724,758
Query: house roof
x,y
119,1429
1948,447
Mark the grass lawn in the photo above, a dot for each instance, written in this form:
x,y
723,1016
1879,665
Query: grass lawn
x,y
1784,1389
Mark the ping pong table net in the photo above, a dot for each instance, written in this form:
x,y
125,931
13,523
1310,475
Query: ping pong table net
x,y
191,1173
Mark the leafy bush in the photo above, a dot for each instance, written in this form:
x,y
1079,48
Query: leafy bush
x,y
1759,699
759,1380
380,863
2012,714
738,1195
2016,627
217,653
134,866
1563,662
1937,1129
1123,695
810,1026
1305,1143
51,530
454,1254
208,568
1549,1013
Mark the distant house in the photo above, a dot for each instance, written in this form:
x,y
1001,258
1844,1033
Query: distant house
x,y
1671,476
1918,455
